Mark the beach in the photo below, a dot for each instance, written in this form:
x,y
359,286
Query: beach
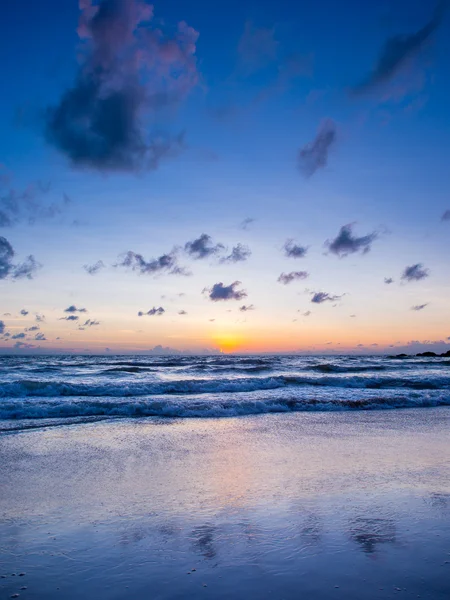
x,y
349,504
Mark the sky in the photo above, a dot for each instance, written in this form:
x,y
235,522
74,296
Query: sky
x,y
244,177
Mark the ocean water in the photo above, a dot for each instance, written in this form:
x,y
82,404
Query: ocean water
x,y
89,387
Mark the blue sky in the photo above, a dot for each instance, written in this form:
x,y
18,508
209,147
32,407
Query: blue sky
x,y
304,117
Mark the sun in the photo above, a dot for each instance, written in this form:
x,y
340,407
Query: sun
x,y
227,341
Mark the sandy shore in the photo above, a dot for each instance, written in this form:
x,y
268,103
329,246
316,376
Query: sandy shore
x,y
315,506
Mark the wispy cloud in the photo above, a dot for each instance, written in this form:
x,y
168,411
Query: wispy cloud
x,y
286,278
95,268
74,309
257,48
70,318
239,253
158,312
219,291
203,247
446,216
321,297
397,53
166,263
294,250
24,312
419,306
388,280
246,223
314,155
8,269
415,273
246,307
346,243
130,70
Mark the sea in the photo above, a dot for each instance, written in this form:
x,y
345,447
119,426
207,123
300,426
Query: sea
x,y
64,388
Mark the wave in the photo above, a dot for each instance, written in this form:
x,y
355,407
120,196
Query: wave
x,y
330,368
185,408
127,388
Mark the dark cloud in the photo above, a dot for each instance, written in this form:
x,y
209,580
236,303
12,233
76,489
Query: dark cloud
x,y
23,345
419,306
446,216
24,312
74,309
91,323
2,327
40,318
246,307
166,263
388,280
308,313
398,51
320,297
287,278
95,268
19,271
34,328
70,318
293,250
415,273
346,243
18,336
40,337
203,247
314,155
152,312
130,72
219,291
182,312
246,223
239,253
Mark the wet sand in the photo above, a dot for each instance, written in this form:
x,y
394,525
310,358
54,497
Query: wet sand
x,y
302,505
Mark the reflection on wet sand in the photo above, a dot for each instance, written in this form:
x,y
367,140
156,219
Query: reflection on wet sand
x,y
369,533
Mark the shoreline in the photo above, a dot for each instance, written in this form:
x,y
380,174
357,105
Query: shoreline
x,y
342,505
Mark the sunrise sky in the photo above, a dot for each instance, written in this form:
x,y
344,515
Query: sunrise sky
x,y
237,176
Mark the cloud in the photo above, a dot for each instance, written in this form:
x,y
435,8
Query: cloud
x,y
27,206
130,71
70,318
9,270
95,268
388,280
308,313
182,312
40,337
34,328
257,48
346,243
24,312
23,345
314,155
166,263
239,253
40,318
247,307
152,312
415,273
446,216
91,323
286,278
203,247
74,309
219,291
320,297
398,52
293,250
18,336
246,223
2,327
419,306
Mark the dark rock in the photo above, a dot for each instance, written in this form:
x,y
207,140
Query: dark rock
x,y
427,354
446,354
399,356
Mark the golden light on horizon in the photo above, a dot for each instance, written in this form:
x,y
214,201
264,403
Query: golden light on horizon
x,y
227,341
